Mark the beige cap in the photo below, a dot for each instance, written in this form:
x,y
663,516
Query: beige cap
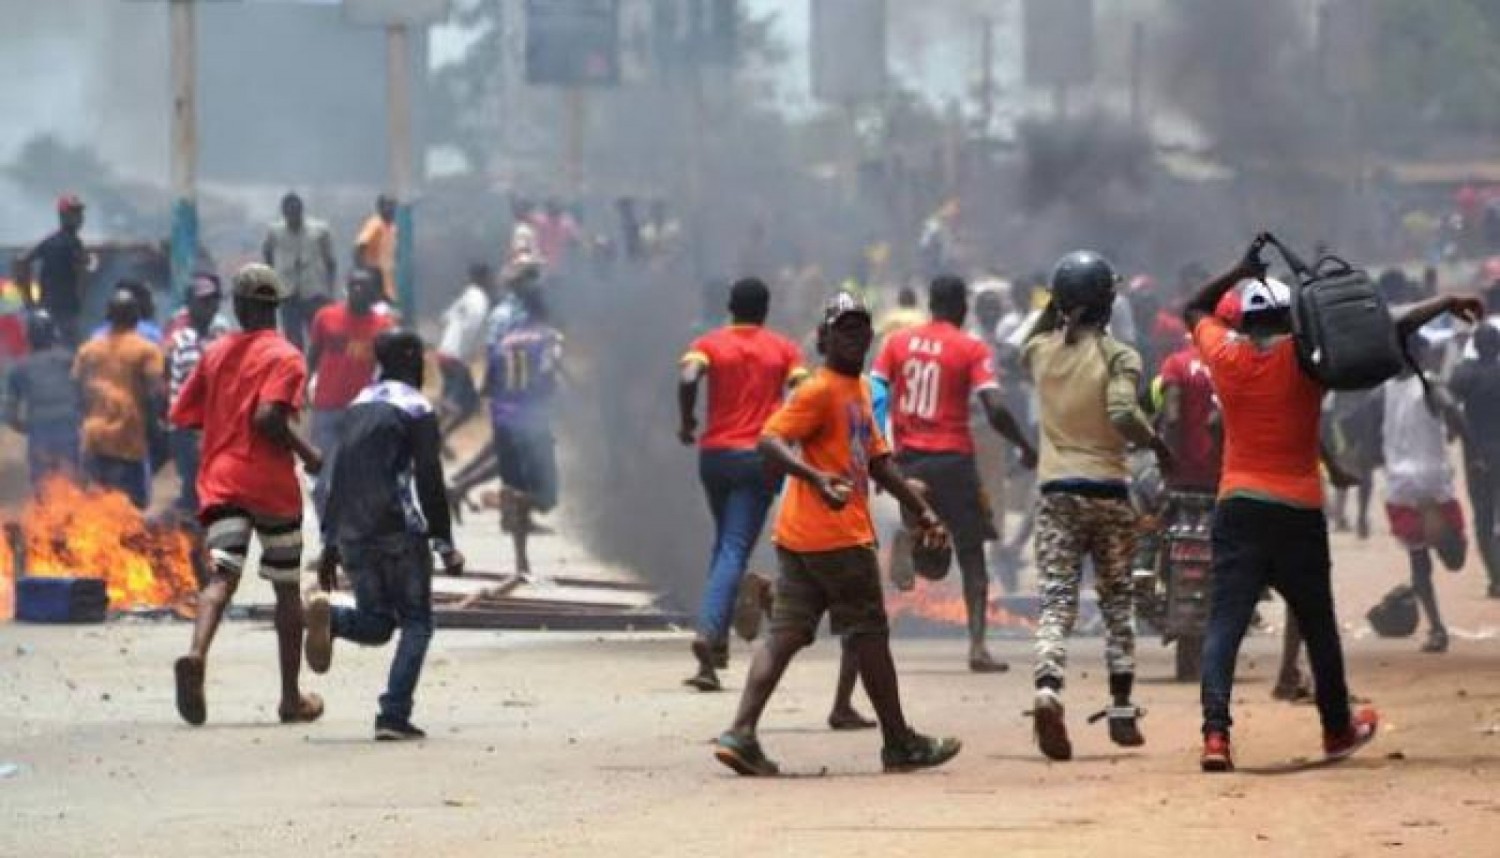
x,y
259,282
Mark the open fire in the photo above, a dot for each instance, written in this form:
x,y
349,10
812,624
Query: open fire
x,y
943,602
7,577
71,531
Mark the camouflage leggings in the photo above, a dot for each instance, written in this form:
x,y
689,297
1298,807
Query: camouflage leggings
x,y
1068,529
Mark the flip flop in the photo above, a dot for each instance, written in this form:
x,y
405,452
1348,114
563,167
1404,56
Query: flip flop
x,y
191,704
309,709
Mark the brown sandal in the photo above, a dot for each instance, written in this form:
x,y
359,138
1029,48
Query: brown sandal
x,y
191,704
309,709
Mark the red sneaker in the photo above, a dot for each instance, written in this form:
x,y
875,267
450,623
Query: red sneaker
x,y
1216,755
1359,733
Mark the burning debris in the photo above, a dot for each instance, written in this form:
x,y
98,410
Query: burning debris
x,y
71,531
943,603
7,575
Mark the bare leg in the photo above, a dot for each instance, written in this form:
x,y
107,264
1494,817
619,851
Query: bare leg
x,y
212,601
766,669
976,582
843,715
289,643
878,671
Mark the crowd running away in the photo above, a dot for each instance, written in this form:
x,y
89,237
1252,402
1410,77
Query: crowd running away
x,y
1088,424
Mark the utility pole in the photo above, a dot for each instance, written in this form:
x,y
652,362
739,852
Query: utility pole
x,y
184,73
1137,73
398,117
986,75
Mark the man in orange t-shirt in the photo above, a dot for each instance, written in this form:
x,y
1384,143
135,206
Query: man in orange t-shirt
x,y
825,541
748,369
375,247
1269,527
121,376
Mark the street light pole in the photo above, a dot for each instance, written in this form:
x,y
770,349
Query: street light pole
x,y
184,74
398,117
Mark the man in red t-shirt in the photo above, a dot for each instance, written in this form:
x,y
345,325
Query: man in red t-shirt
x,y
933,370
242,395
1190,422
341,353
748,369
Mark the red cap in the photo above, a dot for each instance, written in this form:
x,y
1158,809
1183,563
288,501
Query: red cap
x,y
69,202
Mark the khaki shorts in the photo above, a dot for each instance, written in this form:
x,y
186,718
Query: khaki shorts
x,y
844,583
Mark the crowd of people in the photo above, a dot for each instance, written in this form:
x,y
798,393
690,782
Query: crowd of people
x,y
1205,386
1055,396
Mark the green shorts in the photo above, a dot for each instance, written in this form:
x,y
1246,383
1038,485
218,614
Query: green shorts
x,y
844,582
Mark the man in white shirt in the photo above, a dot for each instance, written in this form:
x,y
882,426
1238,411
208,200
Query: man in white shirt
x,y
1421,496
460,344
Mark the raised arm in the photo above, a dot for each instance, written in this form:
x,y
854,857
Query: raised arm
x,y
1207,298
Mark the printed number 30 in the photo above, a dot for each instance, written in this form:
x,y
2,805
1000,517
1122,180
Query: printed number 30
x,y
920,394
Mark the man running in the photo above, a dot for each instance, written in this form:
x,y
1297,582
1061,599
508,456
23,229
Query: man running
x,y
386,514
1086,384
522,377
825,541
1269,527
243,396
460,344
1421,498
748,368
933,370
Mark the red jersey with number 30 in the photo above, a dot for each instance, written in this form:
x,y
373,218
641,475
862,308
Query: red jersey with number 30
x,y
933,370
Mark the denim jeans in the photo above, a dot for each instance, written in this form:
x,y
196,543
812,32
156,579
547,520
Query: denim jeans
x,y
124,475
51,449
739,496
324,432
392,590
187,453
1256,543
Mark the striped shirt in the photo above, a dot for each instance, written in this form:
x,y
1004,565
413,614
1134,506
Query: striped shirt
x,y
185,350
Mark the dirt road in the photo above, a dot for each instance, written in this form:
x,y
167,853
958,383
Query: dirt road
x,y
586,745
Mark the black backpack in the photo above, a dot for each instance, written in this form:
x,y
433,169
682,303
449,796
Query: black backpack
x,y
1341,323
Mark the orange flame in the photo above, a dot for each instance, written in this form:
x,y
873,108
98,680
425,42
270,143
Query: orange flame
x,y
943,602
7,578
70,531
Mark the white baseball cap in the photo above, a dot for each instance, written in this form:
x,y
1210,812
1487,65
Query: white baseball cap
x,y
1261,296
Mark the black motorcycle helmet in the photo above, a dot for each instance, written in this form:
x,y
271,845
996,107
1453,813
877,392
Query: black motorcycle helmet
x,y
1395,616
1084,280
41,330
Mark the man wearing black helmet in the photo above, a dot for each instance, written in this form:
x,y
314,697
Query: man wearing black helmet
x,y
1086,383
44,403
825,542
